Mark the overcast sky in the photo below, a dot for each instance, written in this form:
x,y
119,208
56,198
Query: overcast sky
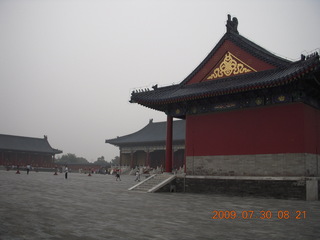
x,y
67,67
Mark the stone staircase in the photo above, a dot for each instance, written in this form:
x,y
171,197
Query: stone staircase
x,y
153,183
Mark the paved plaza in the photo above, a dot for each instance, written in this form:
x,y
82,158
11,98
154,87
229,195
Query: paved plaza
x,y
43,206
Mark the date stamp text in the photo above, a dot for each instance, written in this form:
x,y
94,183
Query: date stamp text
x,y
264,214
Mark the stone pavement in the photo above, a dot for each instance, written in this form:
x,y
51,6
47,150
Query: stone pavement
x,y
43,206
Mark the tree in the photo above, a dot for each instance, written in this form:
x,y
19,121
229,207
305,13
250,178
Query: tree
x,y
71,158
102,162
115,161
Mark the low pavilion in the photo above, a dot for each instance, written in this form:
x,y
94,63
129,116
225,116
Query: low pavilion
x,y
146,147
21,151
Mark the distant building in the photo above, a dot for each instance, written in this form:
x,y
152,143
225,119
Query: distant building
x,y
18,150
147,146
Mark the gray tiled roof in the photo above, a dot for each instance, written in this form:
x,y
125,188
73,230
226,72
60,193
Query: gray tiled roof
x,y
238,83
152,133
26,144
248,46
285,72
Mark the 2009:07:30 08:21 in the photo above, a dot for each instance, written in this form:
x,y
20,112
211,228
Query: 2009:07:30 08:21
x,y
250,214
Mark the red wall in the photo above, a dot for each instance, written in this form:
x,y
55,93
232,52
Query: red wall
x,y
312,130
290,128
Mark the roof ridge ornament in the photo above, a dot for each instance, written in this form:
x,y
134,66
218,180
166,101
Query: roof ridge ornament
x,y
232,25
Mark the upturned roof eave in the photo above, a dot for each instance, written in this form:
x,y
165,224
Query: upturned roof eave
x,y
146,143
254,85
152,133
34,151
26,144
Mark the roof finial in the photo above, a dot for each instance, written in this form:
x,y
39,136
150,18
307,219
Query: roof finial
x,y
232,25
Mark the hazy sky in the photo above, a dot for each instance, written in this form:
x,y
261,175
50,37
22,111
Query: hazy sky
x,y
67,67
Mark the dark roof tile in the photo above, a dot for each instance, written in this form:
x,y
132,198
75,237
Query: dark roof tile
x,y
239,83
284,72
152,133
26,144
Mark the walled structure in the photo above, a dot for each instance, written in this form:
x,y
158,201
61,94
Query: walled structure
x,y
248,112
146,147
22,151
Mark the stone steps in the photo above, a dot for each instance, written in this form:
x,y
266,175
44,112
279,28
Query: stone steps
x,y
153,183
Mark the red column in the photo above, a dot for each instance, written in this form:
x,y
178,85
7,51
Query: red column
x,y
131,159
147,163
184,160
169,145
2,159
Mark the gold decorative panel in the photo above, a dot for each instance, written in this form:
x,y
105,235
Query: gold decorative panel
x,y
231,65
281,98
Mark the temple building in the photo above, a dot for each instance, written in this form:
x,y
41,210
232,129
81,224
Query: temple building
x,y
147,146
22,151
248,112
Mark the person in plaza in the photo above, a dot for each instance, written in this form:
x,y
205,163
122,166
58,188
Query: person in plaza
x,y
118,175
28,168
137,175
66,172
18,170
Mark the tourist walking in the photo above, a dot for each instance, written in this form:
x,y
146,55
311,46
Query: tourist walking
x,y
118,176
18,170
137,175
66,172
28,169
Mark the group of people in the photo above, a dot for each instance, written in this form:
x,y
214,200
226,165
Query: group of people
x,y
137,179
66,171
137,175
28,168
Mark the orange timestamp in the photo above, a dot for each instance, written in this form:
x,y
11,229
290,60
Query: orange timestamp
x,y
251,214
